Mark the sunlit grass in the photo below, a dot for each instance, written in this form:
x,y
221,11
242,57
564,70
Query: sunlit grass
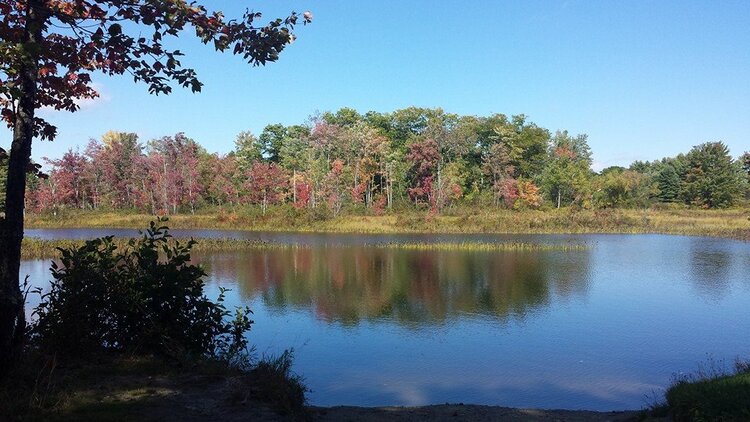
x,y
483,246
34,248
730,223
710,394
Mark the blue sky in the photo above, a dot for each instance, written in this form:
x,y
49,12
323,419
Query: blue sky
x,y
644,79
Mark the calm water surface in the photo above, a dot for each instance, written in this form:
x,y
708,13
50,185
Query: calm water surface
x,y
604,328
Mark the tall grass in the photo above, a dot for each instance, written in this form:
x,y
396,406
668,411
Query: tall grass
x,y
34,248
731,223
712,394
483,246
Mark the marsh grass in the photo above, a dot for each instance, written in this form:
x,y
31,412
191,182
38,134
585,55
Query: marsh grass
x,y
483,246
730,223
34,248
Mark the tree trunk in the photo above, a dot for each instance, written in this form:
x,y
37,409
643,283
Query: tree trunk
x,y
190,193
12,317
559,197
439,195
389,185
165,198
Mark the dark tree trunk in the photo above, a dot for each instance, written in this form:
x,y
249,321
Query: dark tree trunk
x,y
12,317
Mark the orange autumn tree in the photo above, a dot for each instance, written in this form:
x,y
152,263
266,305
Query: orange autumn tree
x,y
528,195
48,52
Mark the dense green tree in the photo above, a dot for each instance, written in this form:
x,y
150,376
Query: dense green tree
x,y
271,140
532,140
641,166
343,117
745,164
568,171
380,121
293,153
619,187
711,179
248,150
745,160
526,143
612,169
668,182
407,123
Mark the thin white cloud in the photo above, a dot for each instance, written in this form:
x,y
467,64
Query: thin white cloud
x,y
84,103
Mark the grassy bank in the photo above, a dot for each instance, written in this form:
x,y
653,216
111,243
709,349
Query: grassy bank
x,y
708,395
33,248
731,223
725,397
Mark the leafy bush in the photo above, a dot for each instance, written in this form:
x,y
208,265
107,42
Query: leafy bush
x,y
145,298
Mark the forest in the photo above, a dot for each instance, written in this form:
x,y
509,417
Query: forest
x,y
345,161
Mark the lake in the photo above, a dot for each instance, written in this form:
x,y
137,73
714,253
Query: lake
x,y
603,328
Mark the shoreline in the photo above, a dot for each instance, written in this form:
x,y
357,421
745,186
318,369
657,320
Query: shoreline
x,y
464,412
730,223
147,388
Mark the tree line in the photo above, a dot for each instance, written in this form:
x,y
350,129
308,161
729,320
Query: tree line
x,y
414,157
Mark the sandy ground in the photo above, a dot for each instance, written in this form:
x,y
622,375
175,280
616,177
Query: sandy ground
x,y
455,413
199,398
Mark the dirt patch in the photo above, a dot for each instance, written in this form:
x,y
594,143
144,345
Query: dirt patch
x,y
456,413
149,390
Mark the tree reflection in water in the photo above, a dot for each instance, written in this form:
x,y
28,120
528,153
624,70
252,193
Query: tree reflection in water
x,y
351,284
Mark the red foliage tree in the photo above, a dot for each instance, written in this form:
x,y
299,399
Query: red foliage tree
x,y
303,190
506,189
424,157
266,183
67,177
222,187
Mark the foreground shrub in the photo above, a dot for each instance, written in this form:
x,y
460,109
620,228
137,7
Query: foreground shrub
x,y
143,298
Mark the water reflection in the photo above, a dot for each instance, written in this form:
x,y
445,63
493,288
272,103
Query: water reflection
x,y
710,266
597,329
348,285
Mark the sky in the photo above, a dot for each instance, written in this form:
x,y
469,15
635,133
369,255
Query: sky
x,y
643,79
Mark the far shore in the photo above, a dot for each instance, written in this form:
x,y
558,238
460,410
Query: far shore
x,y
728,223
